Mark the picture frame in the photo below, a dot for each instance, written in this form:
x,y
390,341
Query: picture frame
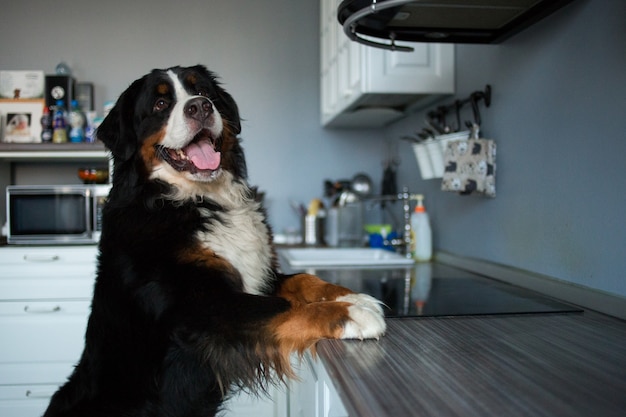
x,y
21,120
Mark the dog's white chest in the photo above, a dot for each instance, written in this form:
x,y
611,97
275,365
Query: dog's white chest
x,y
241,237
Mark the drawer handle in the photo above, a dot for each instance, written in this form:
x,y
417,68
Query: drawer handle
x,y
42,310
41,258
38,394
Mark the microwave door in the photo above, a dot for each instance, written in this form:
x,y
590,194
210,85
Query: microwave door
x,y
49,217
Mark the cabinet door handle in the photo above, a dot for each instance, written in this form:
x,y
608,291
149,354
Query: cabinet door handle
x,y
42,310
41,258
39,394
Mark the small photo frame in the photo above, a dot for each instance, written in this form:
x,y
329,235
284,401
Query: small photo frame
x,y
21,120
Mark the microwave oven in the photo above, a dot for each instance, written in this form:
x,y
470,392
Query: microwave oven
x,y
55,214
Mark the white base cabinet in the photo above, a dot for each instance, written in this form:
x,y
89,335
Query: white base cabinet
x,y
314,395
246,405
45,298
362,86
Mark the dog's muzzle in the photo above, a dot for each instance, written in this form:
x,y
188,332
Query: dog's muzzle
x,y
200,155
198,108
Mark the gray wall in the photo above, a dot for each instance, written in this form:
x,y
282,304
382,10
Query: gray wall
x,y
266,53
557,114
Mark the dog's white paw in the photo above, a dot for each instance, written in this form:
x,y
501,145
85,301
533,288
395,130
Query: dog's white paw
x,y
367,317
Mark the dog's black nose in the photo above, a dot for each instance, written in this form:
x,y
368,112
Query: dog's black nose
x,y
198,108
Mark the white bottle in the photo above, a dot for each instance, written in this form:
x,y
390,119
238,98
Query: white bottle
x,y
421,234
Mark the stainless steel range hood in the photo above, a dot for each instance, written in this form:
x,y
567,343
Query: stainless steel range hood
x,y
451,21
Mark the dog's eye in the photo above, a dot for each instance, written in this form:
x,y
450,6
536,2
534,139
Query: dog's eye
x,y
160,105
203,93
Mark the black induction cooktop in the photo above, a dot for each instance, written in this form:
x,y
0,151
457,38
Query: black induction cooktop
x,y
434,290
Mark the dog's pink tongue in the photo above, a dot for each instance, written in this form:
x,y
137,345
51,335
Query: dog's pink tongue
x,y
203,155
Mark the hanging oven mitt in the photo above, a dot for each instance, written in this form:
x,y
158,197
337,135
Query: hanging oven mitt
x,y
470,166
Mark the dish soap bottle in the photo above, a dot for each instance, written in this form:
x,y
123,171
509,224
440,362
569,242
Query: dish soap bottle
x,y
421,234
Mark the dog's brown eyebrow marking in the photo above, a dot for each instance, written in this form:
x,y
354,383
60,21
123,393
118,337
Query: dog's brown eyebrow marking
x,y
192,79
163,88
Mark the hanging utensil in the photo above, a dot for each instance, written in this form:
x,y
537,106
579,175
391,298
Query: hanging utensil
x,y
423,136
476,112
432,120
361,185
412,139
442,111
429,132
457,109
389,185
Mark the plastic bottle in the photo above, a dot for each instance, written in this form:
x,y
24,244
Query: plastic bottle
x,y
63,69
46,125
90,126
421,233
77,123
59,124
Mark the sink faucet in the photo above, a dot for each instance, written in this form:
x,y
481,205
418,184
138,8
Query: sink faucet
x,y
403,243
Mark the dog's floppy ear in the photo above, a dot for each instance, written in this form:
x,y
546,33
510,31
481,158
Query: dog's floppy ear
x,y
228,109
117,130
225,103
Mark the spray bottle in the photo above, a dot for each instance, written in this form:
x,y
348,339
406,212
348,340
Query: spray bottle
x,y
421,234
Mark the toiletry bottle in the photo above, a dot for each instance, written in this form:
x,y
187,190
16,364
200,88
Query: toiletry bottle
x,y
77,123
46,125
59,124
90,126
421,234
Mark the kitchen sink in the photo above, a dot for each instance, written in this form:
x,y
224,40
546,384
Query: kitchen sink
x,y
354,257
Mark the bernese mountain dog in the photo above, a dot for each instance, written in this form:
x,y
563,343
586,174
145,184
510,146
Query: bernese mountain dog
x,y
189,304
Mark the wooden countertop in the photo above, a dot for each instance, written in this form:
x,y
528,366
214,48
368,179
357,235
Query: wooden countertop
x,y
532,365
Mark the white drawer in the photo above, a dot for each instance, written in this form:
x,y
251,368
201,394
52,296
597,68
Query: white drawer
x,y
25,392
36,373
39,331
55,268
46,256
26,400
47,287
250,405
47,272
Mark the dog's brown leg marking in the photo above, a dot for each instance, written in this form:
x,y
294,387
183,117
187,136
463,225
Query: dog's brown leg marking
x,y
304,325
314,315
305,288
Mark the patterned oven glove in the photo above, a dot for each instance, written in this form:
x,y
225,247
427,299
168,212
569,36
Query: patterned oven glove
x,y
470,167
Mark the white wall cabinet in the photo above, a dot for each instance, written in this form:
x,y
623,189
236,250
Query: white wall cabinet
x,y
314,395
362,86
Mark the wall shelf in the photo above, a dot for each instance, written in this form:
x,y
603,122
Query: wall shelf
x,y
52,151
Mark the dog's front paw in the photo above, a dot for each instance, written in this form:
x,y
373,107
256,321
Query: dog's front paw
x,y
366,317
